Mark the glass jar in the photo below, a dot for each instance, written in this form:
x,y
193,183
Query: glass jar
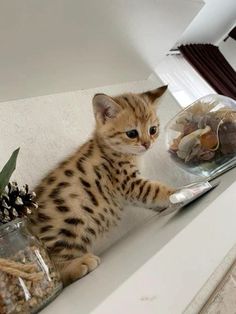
x,y
202,138
28,278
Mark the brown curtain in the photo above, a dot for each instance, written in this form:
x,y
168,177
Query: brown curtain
x,y
213,67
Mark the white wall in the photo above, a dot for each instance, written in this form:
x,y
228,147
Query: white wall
x,y
228,48
55,46
211,23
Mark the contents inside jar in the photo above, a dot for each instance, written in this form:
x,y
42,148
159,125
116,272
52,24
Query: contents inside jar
x,y
28,281
204,132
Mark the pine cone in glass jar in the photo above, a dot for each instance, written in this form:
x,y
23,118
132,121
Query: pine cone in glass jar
x,y
15,202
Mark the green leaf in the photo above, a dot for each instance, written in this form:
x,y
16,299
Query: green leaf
x,y
7,170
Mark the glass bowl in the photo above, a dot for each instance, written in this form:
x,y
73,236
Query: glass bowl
x,y
202,137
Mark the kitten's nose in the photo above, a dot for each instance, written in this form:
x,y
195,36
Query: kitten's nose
x,y
146,144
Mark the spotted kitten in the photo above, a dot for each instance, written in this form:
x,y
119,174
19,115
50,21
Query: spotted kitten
x,y
85,195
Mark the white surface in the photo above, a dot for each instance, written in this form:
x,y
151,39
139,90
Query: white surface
x,y
228,48
212,283
55,46
213,21
147,240
167,282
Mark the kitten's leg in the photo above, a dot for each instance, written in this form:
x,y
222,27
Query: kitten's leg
x,y
149,194
74,269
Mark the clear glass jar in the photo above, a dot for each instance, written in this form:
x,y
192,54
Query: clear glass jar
x,y
202,138
28,278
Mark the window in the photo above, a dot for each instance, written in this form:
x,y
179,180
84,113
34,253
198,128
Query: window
x,y
184,82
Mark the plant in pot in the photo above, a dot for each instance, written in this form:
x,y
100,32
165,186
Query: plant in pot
x,y
28,278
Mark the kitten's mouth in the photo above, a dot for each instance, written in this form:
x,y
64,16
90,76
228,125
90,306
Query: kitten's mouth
x,y
143,151
140,151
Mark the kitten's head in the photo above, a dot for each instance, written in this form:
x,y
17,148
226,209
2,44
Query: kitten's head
x,y
128,123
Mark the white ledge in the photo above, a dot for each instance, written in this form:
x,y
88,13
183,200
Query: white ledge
x,y
172,277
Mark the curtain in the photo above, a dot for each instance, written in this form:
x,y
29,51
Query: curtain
x,y
213,67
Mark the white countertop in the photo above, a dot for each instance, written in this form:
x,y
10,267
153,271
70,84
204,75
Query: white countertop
x,y
161,266
170,246
172,277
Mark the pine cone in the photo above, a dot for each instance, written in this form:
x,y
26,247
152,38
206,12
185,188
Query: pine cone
x,y
15,202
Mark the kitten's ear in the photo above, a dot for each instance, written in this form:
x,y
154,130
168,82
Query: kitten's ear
x,y
104,107
155,94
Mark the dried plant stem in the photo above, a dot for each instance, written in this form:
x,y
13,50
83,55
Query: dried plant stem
x,y
20,270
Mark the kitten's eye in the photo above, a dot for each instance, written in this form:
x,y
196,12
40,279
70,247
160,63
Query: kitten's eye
x,y
132,133
153,130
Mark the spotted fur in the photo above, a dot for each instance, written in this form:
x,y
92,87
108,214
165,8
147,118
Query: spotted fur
x,y
84,196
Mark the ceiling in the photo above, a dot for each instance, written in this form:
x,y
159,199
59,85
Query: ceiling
x,y
211,24
55,46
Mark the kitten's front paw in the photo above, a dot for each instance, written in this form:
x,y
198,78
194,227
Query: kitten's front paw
x,y
168,207
165,201
171,191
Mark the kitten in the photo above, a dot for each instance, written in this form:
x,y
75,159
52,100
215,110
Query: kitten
x,y
85,195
